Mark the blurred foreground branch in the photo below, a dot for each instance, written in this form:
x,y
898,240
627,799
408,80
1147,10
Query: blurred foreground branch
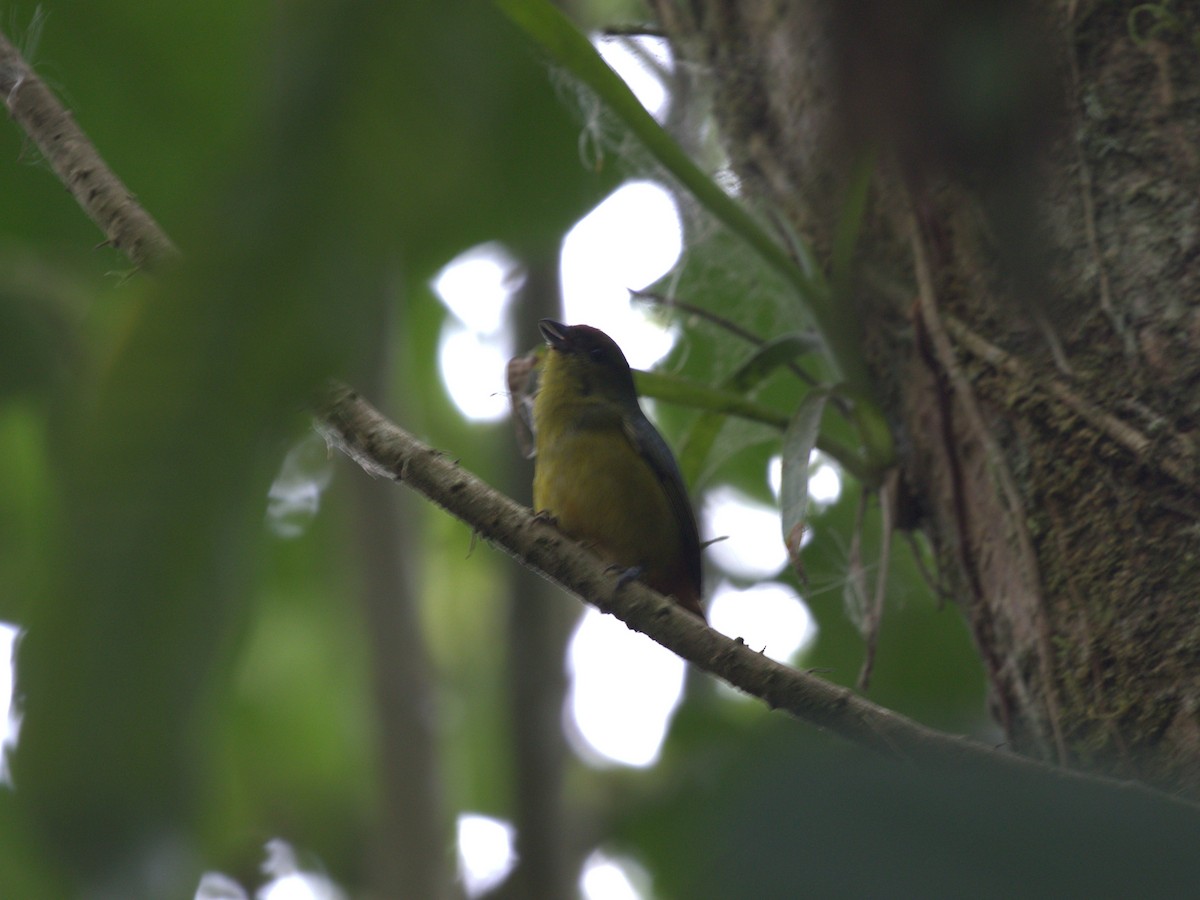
x,y
102,195
382,448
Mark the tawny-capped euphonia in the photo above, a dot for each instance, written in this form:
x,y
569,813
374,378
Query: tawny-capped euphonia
x,y
604,472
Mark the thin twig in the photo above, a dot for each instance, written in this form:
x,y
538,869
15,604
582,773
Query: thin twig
x,y
720,321
700,312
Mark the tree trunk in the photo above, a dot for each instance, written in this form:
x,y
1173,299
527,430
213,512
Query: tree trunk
x,y
1028,283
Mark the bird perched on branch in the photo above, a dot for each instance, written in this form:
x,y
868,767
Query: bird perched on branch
x,y
604,472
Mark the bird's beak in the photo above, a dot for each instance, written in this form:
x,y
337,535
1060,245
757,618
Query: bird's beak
x,y
555,334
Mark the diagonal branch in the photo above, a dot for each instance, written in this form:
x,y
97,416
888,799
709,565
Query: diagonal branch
x,y
382,448
102,195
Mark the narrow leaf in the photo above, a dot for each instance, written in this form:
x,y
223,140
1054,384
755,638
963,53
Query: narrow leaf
x,y
798,443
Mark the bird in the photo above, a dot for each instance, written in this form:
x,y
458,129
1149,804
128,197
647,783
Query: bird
x,y
603,472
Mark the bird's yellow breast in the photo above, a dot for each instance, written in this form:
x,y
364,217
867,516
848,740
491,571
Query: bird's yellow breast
x,y
600,490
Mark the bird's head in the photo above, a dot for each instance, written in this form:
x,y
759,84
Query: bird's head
x,y
585,362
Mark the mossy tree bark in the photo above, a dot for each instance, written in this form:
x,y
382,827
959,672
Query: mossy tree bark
x,y
1028,287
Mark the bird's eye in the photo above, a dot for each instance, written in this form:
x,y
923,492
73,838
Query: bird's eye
x,y
597,354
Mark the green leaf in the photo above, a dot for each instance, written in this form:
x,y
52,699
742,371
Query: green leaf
x,y
745,379
798,443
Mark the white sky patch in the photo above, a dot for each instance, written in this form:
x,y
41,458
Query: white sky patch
x,y
628,242
769,617
775,475
825,482
472,367
477,287
753,545
624,690
10,722
486,852
300,886
636,71
824,479
606,877
287,881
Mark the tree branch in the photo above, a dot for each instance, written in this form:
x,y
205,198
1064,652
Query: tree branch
x,y
382,448
101,194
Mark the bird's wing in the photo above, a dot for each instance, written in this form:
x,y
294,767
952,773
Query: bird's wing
x,y
654,450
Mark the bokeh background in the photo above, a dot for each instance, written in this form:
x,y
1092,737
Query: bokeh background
x,y
237,654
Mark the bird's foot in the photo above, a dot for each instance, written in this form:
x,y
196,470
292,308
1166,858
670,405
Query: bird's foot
x,y
633,573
